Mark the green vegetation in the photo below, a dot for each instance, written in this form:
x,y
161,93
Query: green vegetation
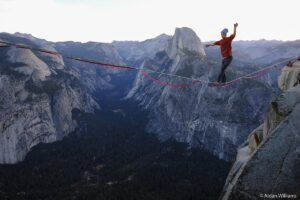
x,y
50,86
110,157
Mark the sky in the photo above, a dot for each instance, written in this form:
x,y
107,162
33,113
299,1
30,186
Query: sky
x,y
108,20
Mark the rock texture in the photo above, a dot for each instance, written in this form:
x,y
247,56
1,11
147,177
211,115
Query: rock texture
x,y
184,40
33,66
268,162
38,95
218,119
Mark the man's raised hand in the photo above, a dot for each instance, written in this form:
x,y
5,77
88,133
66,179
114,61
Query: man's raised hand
x,y
235,25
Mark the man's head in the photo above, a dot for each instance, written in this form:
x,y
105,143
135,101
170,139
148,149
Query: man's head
x,y
224,32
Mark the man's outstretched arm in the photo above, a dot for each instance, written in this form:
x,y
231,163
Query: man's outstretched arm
x,y
210,45
213,44
234,30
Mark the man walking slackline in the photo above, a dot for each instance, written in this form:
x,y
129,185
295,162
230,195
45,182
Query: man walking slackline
x,y
226,51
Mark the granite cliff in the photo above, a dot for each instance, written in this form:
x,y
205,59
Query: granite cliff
x,y
267,164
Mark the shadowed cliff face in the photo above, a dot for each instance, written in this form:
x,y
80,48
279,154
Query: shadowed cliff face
x,y
109,157
45,89
217,119
40,91
268,162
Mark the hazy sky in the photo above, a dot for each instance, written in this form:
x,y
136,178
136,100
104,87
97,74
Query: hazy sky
x,y
108,20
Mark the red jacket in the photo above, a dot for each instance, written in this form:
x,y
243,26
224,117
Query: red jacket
x,y
225,45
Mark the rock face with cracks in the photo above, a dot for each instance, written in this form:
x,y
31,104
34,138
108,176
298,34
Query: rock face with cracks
x,y
40,85
38,95
215,118
268,162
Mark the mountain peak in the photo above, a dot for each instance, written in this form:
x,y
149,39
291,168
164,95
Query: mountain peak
x,y
185,39
24,35
31,38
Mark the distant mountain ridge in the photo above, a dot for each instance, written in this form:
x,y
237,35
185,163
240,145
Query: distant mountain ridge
x,y
216,119
173,111
261,52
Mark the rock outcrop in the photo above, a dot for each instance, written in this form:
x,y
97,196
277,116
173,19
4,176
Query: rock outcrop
x,y
185,39
38,95
267,164
217,119
33,66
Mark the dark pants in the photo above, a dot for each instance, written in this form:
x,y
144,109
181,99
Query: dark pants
x,y
225,63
